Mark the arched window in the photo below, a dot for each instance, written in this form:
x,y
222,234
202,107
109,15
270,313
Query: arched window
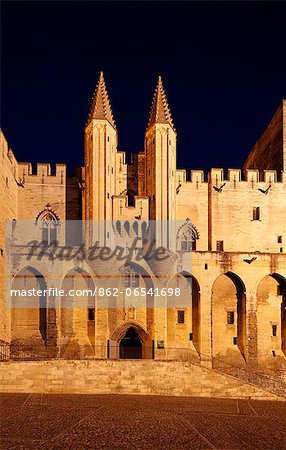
x,y
135,228
187,238
144,229
48,223
49,228
118,227
127,227
131,278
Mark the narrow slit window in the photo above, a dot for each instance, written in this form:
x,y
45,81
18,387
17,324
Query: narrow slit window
x,y
91,314
256,213
181,316
230,317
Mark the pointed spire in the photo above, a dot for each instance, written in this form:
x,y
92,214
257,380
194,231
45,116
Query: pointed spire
x,y
100,106
160,111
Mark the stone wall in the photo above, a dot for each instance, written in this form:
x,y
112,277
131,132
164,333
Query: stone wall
x,y
231,240
8,212
141,377
192,203
231,213
41,187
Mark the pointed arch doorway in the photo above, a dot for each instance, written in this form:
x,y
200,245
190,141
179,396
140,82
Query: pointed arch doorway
x,y
130,346
130,341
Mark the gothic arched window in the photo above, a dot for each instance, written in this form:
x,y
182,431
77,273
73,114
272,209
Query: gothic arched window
x,y
48,223
131,278
118,227
187,238
127,227
49,228
144,229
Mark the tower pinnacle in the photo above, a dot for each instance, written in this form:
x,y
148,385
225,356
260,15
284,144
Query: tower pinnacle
x,y
160,111
100,106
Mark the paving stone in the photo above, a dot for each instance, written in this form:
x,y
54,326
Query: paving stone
x,y
68,421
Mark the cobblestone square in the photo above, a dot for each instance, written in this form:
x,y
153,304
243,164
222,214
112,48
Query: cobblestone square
x,y
35,421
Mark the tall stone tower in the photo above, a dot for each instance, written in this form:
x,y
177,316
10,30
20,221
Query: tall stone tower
x,y
99,166
160,154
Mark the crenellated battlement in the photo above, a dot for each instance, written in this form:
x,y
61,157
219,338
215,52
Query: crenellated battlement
x,y
42,174
139,211
181,176
197,176
252,176
234,179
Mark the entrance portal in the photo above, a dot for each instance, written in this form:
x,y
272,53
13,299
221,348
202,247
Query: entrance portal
x,y
131,345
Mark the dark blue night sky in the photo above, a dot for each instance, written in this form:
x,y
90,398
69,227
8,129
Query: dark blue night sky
x,y
223,67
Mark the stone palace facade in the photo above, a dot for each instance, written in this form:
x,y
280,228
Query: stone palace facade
x,y
226,251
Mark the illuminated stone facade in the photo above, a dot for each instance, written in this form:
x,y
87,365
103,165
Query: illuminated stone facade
x,y
229,250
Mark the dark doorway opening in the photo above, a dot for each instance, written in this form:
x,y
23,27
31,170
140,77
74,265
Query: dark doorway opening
x,y
131,345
